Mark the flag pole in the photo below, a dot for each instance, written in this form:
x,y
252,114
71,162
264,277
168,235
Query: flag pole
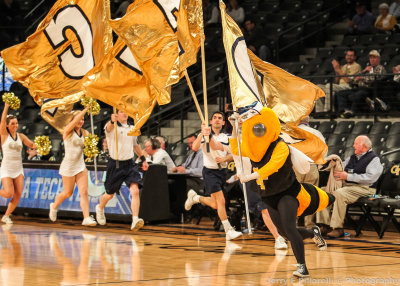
x,y
194,97
203,72
95,157
244,185
116,140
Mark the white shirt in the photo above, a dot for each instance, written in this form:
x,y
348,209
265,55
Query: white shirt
x,y
125,142
209,158
161,157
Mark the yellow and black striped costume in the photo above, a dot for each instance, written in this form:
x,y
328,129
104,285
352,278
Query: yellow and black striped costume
x,y
270,158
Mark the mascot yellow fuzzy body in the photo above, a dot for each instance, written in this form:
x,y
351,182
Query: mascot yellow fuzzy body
x,y
270,158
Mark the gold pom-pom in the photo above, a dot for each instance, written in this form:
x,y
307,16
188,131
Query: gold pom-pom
x,y
13,101
43,145
91,149
94,105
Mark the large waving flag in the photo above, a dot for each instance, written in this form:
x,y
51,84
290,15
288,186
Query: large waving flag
x,y
189,31
246,89
149,30
118,81
292,98
164,44
71,39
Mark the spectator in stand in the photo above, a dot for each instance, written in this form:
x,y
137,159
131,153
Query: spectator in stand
x,y
210,13
349,100
193,168
235,11
385,22
394,9
360,176
158,155
396,69
254,37
341,83
362,22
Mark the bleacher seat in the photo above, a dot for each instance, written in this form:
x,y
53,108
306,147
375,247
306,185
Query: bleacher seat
x,y
336,139
338,150
393,141
39,129
350,40
30,115
314,124
362,127
180,149
344,127
395,129
377,140
381,127
327,127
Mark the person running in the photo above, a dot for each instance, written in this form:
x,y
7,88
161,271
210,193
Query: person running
x,y
12,173
127,171
214,172
73,169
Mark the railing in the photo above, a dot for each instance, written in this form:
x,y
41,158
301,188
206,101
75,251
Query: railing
x,y
383,87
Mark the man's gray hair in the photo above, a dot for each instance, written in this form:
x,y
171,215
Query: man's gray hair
x,y
366,141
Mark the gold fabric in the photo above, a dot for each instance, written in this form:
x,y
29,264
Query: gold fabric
x,y
243,84
292,98
36,64
153,43
114,82
307,143
58,112
190,29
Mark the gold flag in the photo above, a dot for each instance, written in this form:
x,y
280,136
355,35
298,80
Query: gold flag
x,y
149,30
70,40
292,98
118,81
305,141
58,111
189,32
244,87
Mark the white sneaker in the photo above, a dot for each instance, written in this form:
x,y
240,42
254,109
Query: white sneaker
x,y
280,243
100,217
6,219
137,224
52,213
232,234
190,200
89,221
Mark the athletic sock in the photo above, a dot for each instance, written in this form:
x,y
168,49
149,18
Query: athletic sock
x,y
226,224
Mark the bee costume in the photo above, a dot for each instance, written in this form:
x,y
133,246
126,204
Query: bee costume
x,y
285,197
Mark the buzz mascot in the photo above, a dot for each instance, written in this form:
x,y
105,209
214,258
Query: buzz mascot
x,y
272,166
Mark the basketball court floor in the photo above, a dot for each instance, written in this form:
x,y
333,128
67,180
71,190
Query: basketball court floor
x,y
34,251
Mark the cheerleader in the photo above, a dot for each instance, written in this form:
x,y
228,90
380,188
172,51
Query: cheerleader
x,y
73,169
12,174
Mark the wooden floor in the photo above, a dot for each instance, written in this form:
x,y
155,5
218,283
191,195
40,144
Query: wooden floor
x,y
37,252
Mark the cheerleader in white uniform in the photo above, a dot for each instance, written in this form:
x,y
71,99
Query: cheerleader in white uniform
x,y
73,169
12,173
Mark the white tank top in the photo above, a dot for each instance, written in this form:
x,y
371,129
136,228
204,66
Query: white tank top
x,y
73,162
11,165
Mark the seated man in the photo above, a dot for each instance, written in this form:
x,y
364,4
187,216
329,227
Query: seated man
x,y
361,173
158,156
350,101
193,167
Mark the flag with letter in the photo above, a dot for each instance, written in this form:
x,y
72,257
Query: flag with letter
x,y
71,39
244,87
290,97
118,81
